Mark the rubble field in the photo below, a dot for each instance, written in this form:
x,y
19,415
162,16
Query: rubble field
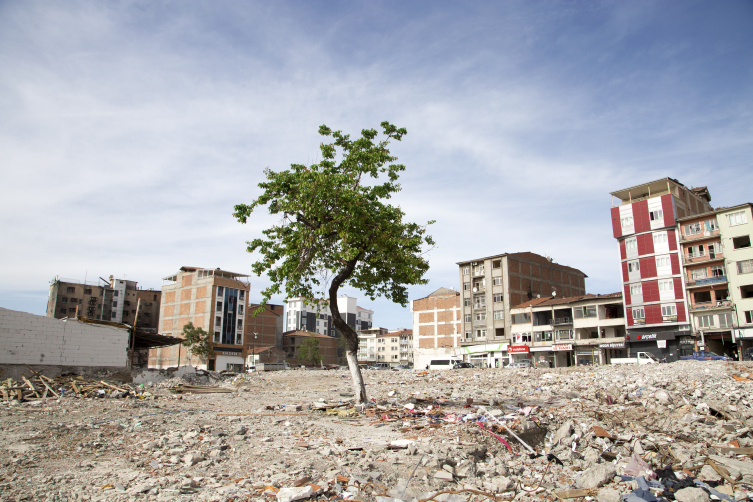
x,y
679,431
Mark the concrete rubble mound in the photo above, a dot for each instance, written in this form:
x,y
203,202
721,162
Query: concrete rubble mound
x,y
679,431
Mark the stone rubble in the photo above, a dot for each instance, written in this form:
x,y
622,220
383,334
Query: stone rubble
x,y
679,431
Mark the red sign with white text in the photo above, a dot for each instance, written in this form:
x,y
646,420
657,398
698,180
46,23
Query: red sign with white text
x,y
517,349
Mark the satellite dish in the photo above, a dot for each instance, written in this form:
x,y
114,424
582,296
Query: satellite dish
x,y
538,296
554,293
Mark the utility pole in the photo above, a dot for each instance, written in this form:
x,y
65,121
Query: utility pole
x,y
133,332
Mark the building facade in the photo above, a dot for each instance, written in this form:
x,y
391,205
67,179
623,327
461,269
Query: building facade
x,y
717,256
580,330
406,346
265,329
293,340
645,226
436,326
212,299
367,344
491,286
302,315
116,301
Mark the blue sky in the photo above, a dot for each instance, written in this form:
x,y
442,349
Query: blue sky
x,y
130,129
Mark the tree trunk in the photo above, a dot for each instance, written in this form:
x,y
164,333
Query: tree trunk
x,y
351,337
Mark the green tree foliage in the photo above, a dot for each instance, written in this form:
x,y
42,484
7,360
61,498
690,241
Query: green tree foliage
x,y
198,342
335,230
309,351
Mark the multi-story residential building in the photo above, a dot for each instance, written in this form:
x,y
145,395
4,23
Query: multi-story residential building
x,y
302,315
388,348
406,346
115,300
492,285
436,326
293,340
263,331
588,329
212,299
367,344
717,255
644,225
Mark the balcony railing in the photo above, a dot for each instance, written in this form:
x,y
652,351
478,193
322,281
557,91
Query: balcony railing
x,y
702,258
561,321
711,305
479,305
708,280
479,321
702,235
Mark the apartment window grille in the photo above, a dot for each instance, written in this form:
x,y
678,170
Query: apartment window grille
x,y
497,298
738,218
745,267
636,289
741,242
634,266
666,286
499,314
693,229
497,281
638,313
656,215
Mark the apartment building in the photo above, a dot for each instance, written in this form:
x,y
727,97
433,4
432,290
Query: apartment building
x,y
718,272
406,346
367,344
645,226
436,326
266,328
491,286
212,299
293,340
113,300
587,329
303,315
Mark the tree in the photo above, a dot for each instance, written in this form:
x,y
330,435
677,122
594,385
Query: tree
x,y
309,351
198,342
335,230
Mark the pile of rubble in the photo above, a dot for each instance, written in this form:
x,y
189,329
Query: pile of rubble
x,y
679,431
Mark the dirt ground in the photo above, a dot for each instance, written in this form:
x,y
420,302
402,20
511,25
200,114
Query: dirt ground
x,y
485,433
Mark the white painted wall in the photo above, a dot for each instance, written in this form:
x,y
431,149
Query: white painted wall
x,y
33,339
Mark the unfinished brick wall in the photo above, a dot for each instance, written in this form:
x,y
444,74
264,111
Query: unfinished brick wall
x,y
531,275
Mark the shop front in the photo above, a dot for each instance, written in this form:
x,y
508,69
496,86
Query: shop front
x,y
518,353
543,355
612,350
563,354
662,344
228,359
489,355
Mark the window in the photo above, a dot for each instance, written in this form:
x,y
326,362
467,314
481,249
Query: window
x,y
467,302
115,303
115,293
578,312
218,306
154,299
481,316
722,294
717,271
478,270
638,313
669,310
497,281
499,314
662,261
497,264
715,248
70,290
748,316
656,215
702,297
497,298
565,334
660,238
467,317
469,334
522,337
240,309
521,318
113,314
591,310
693,229
220,290
64,299
634,266
466,286
741,242
725,321
666,286
88,291
631,243
542,336
695,251
466,270
217,321
480,333
636,289
63,310
393,340
627,221
737,218
711,225
697,274
745,267
241,295
705,321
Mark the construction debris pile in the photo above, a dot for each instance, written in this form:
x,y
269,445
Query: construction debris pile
x,y
679,431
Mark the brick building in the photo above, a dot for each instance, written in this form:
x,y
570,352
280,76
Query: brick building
x,y
492,285
212,299
436,326
268,325
645,226
292,341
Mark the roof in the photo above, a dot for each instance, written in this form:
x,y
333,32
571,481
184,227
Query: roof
x,y
361,308
552,300
260,349
401,332
142,339
441,292
625,191
303,332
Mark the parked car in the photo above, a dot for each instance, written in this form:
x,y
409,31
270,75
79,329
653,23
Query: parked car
x,y
443,364
380,366
640,358
401,367
705,355
462,365
363,366
525,363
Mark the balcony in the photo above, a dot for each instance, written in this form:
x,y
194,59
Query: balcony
x,y
476,322
706,281
691,259
477,306
706,234
562,321
719,305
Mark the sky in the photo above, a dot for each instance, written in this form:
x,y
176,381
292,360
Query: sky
x,y
129,130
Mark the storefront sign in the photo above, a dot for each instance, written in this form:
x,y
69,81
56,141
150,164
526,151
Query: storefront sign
x,y
517,349
639,321
686,342
646,337
615,345
562,346
662,344
652,336
226,353
669,318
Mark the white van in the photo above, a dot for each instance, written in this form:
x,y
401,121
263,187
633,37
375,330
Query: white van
x,y
443,364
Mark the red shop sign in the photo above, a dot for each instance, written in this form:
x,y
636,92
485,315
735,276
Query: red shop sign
x,y
517,349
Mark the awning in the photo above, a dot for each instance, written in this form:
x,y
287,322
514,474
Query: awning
x,y
148,340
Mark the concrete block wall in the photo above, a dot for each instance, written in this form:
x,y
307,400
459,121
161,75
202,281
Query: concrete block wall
x,y
38,340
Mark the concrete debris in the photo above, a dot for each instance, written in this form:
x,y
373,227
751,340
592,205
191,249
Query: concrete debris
x,y
681,431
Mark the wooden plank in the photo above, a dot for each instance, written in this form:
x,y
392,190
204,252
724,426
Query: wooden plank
x,y
31,386
50,389
737,451
572,494
112,386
